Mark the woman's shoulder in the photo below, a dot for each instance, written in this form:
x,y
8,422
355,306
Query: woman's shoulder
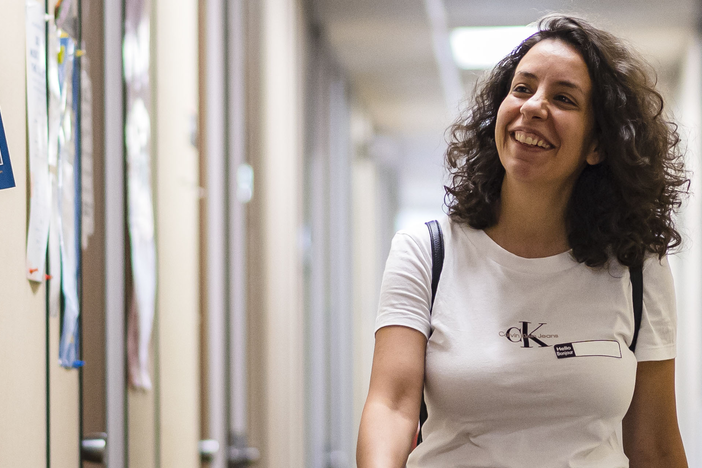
x,y
418,231
656,270
654,266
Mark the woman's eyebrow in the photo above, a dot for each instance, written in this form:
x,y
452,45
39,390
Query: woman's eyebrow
x,y
571,85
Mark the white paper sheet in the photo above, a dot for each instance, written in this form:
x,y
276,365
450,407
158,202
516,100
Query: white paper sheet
x,y
86,155
54,93
40,191
141,232
136,48
54,254
54,126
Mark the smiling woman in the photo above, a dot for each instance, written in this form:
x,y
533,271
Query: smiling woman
x,y
565,177
622,206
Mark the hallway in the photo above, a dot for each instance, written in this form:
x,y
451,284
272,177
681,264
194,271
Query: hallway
x,y
205,196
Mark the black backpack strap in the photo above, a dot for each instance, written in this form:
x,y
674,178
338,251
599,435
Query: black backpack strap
x,y
423,415
437,257
636,274
437,264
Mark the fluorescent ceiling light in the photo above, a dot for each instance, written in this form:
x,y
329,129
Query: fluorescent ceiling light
x,y
482,47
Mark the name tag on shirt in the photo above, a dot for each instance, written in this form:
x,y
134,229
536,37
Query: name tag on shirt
x,y
606,348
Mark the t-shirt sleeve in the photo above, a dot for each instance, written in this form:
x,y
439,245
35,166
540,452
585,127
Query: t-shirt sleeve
x,y
657,335
405,292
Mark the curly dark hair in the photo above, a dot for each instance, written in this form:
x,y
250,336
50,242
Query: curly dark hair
x,y
621,207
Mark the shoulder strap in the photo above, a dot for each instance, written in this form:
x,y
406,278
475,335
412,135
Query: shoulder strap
x,y
437,264
437,256
636,275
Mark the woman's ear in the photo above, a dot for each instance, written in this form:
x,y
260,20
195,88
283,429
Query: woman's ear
x,y
594,156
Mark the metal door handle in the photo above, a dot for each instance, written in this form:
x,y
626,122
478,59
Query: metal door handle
x,y
93,447
237,456
208,449
240,454
243,455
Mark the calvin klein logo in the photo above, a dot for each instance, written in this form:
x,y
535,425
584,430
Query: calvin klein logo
x,y
523,335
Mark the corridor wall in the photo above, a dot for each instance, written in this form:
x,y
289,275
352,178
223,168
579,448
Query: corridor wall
x,y
281,130
22,304
687,264
163,423
177,202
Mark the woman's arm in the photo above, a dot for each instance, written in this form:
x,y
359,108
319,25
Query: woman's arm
x,y
650,427
391,412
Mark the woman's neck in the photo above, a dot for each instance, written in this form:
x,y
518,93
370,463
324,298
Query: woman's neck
x,y
531,221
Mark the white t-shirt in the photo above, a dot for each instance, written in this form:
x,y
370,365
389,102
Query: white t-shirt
x,y
528,361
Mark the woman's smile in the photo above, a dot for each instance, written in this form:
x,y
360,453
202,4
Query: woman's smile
x,y
531,139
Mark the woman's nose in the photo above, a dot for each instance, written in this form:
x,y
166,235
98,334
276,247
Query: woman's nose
x,y
535,107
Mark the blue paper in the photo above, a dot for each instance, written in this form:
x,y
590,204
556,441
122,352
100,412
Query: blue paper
x,y
7,179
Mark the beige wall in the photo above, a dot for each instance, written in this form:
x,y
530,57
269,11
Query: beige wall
x,y
141,428
177,201
64,407
22,313
282,33
366,278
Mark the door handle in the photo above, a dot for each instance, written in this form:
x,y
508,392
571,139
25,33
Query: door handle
x,y
208,449
93,447
240,454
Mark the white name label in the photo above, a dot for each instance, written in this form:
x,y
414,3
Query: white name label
x,y
606,348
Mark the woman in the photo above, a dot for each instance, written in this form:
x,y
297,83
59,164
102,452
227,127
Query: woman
x,y
564,174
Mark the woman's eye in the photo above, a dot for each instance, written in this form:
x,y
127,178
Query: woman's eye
x,y
564,99
520,89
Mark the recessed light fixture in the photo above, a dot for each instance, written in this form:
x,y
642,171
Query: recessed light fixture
x,y
479,48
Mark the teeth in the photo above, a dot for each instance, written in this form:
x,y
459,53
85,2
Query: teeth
x,y
529,140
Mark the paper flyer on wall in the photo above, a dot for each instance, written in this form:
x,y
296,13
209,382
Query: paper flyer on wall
x,y
67,203
66,12
55,106
54,254
7,178
55,110
87,227
140,217
39,190
141,234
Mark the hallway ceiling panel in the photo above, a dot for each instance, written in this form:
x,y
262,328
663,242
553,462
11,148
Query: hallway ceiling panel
x,y
607,13
385,45
386,50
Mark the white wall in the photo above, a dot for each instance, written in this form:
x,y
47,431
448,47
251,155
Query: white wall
x,y
687,265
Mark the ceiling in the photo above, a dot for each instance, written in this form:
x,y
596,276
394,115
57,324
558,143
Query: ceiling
x,y
386,51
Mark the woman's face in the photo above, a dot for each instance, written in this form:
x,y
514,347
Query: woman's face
x,y
544,131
